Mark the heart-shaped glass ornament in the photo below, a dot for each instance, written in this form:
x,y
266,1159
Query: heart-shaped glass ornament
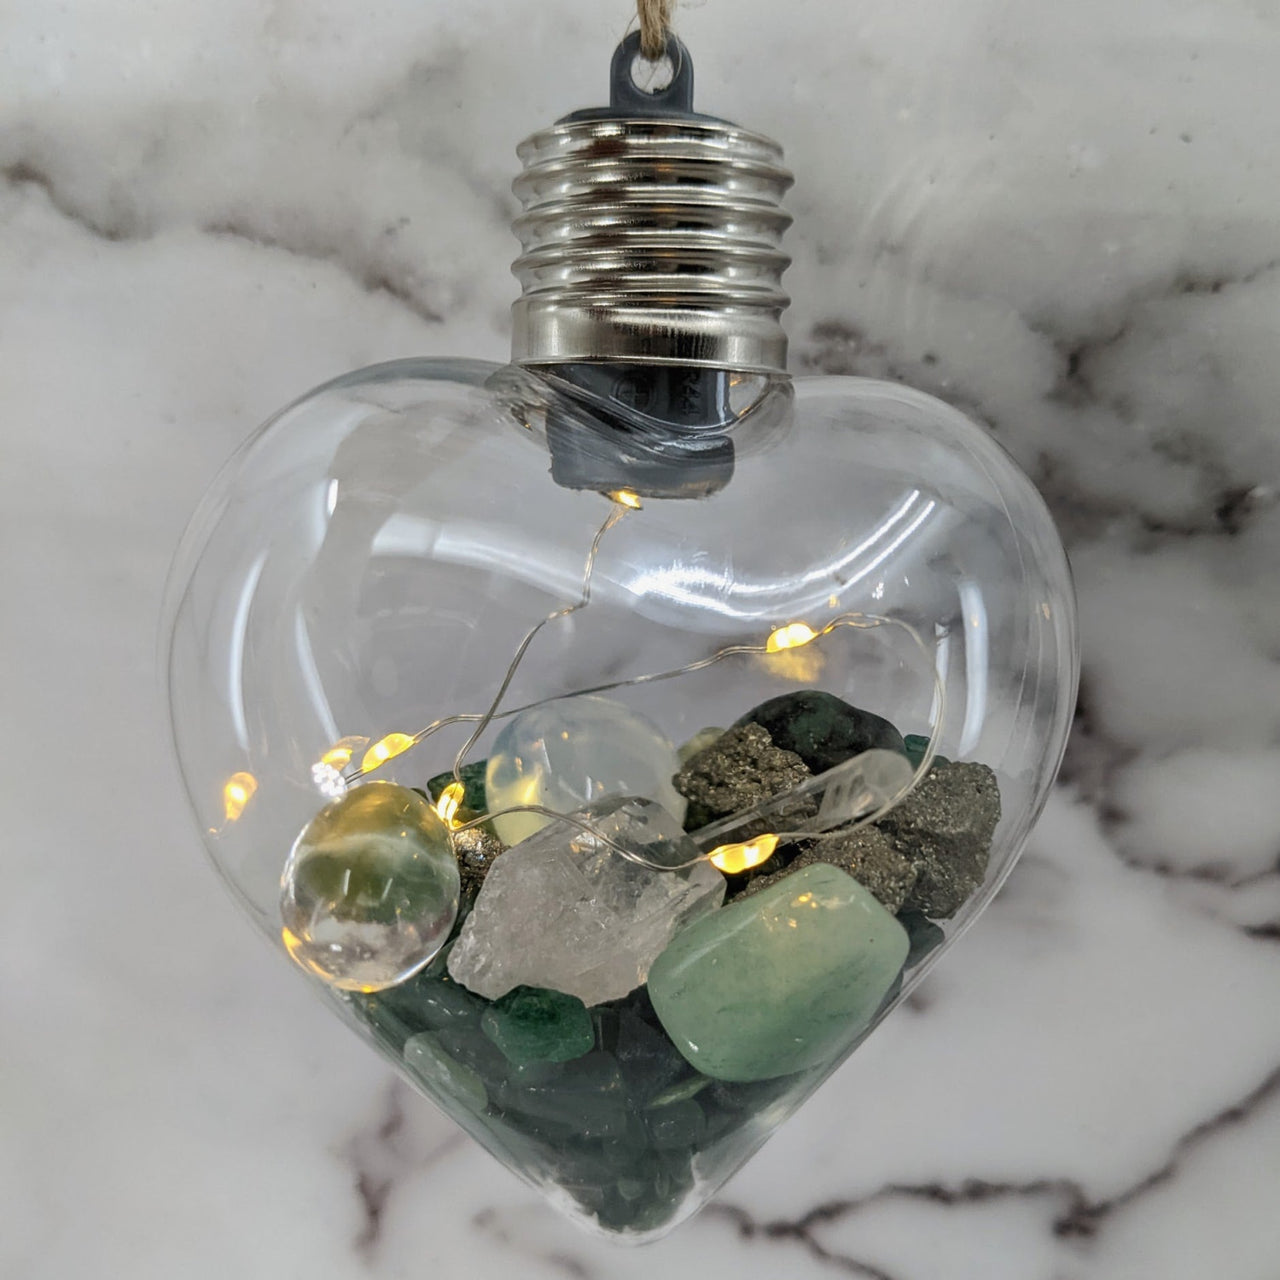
x,y
616,736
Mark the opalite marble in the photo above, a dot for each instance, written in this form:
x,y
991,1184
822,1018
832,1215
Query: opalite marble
x,y
370,889
530,1024
571,753
1000,269
563,910
780,981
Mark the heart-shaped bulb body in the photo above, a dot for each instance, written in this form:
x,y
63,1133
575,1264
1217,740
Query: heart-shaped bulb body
x,y
833,568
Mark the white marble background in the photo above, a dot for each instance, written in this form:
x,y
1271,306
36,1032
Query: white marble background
x,y
1063,217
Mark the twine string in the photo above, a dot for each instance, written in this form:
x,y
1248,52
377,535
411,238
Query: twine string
x,y
655,25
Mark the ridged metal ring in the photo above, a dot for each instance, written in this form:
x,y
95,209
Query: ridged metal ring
x,y
655,239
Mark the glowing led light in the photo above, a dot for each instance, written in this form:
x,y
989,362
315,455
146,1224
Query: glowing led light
x,y
626,498
733,858
237,793
792,636
328,780
387,749
339,755
450,802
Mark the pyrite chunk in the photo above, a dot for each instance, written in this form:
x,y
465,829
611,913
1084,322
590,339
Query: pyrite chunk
x,y
779,982
741,768
476,849
945,827
867,854
565,911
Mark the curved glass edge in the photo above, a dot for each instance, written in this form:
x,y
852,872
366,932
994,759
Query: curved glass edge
x,y
209,511
757,1121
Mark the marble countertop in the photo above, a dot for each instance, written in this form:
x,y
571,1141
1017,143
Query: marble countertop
x,y
1063,218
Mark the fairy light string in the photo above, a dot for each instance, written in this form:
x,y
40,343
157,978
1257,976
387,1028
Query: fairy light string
x,y
730,856
618,510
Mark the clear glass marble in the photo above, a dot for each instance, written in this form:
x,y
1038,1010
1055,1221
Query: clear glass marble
x,y
374,558
370,890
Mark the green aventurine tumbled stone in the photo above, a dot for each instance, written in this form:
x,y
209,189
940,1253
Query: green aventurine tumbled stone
x,y
821,729
533,1025
432,1004
425,1056
780,981
924,935
916,745
677,1126
587,1097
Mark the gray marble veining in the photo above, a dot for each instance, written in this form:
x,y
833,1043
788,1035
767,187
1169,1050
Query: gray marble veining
x,y
1063,219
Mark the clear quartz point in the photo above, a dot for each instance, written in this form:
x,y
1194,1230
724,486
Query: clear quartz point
x,y
565,911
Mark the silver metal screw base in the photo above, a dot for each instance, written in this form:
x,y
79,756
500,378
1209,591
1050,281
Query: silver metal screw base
x,y
654,238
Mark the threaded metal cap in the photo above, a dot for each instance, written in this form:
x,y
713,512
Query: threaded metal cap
x,y
651,234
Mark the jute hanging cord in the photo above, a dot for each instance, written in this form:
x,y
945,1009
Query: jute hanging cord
x,y
655,23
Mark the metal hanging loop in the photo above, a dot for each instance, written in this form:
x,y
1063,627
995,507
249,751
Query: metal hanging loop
x,y
626,95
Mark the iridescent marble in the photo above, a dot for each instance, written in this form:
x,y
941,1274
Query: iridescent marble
x,y
370,890
571,753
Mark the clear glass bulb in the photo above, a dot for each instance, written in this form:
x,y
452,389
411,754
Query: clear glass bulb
x,y
373,562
